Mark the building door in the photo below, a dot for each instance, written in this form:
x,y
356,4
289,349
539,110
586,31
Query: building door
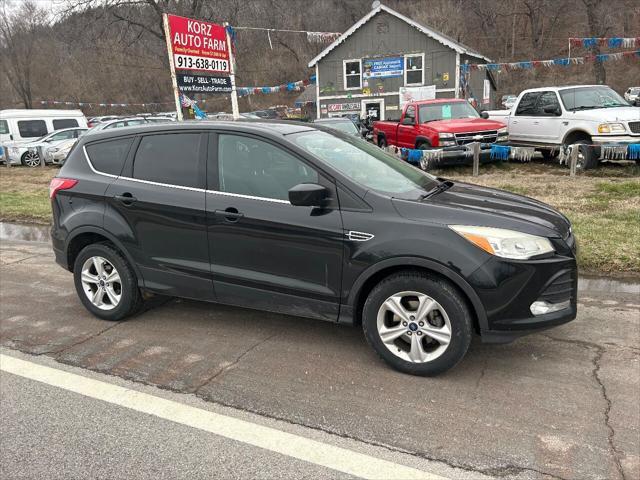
x,y
373,108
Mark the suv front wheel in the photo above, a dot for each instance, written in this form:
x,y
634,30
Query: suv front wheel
x,y
106,283
417,324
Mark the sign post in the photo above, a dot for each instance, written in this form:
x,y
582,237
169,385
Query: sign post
x,y
172,66
234,92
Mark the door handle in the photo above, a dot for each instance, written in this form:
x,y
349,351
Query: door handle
x,y
126,198
230,214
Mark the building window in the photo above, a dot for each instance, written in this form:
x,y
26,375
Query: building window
x,y
352,74
414,69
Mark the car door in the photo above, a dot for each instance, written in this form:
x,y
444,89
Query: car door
x,y
548,126
156,207
266,253
521,124
407,128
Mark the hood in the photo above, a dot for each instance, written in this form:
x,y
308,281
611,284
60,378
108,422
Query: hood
x,y
602,115
464,125
467,204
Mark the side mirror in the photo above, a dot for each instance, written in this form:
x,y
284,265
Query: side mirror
x,y
308,195
551,110
408,121
484,114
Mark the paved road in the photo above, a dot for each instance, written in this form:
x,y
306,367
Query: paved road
x,y
560,404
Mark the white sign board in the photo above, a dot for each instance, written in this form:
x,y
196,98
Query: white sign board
x,y
486,92
414,94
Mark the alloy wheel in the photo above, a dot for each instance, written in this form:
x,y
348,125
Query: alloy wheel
x,y
31,159
414,327
101,283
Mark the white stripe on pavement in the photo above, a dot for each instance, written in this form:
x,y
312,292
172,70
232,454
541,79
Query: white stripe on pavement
x,y
312,451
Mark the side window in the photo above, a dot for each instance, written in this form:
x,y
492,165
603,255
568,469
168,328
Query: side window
x,y
548,100
63,136
61,123
32,128
172,158
410,114
249,166
4,127
109,157
528,104
352,74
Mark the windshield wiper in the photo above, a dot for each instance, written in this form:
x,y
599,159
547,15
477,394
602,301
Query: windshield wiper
x,y
441,187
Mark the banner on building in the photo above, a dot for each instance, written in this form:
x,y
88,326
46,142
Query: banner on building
x,y
190,83
382,67
344,107
198,45
414,94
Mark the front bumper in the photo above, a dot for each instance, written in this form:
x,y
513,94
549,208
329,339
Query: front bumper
x,y
460,155
604,139
508,288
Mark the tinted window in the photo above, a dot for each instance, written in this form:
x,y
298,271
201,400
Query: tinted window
x,y
548,100
109,157
528,104
65,123
4,127
170,158
252,167
32,128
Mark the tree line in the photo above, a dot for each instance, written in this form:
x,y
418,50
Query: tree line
x,y
114,50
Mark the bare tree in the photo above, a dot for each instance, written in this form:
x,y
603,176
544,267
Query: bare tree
x,y
597,28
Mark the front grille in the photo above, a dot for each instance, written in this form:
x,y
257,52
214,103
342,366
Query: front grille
x,y
634,127
489,136
561,288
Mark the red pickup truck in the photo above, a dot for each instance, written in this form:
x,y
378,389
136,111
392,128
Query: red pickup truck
x,y
444,122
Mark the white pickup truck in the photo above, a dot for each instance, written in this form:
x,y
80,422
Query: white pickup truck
x,y
552,117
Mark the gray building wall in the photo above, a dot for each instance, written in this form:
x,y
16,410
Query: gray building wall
x,y
384,36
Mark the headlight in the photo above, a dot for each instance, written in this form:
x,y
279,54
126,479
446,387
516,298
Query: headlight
x,y
446,136
53,150
610,128
502,131
505,243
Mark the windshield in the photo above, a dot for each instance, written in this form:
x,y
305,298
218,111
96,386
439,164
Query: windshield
x,y
342,125
585,98
366,164
446,111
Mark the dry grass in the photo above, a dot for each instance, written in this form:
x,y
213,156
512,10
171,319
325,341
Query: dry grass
x,y
603,204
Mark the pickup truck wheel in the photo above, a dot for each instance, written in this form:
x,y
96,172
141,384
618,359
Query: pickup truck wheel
x,y
382,142
586,156
423,146
549,154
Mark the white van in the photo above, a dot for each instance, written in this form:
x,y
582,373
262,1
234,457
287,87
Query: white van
x,y
26,125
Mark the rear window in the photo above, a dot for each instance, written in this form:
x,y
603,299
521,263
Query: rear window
x,y
109,157
173,159
32,128
61,123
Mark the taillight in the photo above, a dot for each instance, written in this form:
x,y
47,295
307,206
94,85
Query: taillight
x,y
58,184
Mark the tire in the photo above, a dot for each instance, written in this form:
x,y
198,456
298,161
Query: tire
x,y
129,300
423,146
382,142
549,155
414,289
30,159
586,157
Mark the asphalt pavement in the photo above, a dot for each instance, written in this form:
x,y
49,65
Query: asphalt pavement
x,y
559,404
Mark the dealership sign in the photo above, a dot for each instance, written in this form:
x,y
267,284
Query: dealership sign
x,y
382,67
190,83
344,107
198,45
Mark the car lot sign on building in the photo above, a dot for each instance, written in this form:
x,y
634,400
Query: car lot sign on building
x,y
382,67
189,83
198,45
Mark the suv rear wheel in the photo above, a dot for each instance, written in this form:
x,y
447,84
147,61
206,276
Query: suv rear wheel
x,y
417,324
106,283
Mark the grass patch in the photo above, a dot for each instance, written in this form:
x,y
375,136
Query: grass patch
x,y
24,194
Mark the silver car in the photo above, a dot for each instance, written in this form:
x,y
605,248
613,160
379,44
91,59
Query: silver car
x,y
28,153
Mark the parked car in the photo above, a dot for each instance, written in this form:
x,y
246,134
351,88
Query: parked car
x,y
439,123
549,118
507,101
284,217
24,125
632,95
128,122
93,121
27,153
268,114
58,154
343,124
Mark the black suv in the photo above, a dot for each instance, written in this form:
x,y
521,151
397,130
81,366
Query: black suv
x,y
308,221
